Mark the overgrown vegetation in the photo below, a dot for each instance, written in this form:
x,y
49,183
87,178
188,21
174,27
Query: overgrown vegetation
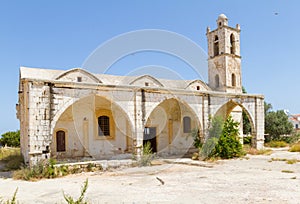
x,y
247,140
49,169
147,156
70,200
11,139
223,140
229,145
253,151
13,200
276,144
11,157
291,139
198,141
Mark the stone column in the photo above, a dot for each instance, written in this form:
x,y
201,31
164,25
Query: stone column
x,y
205,114
39,121
139,109
259,139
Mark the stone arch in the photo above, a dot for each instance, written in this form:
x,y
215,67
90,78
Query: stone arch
x,y
167,119
229,106
225,110
80,119
70,102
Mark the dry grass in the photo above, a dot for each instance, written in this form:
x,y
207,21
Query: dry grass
x,y
295,147
276,144
11,157
287,171
253,151
288,161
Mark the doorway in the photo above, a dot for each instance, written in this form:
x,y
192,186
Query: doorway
x,y
150,136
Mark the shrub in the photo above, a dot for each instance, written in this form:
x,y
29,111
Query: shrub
x,y
291,139
49,169
197,139
247,139
229,145
147,156
295,147
223,140
208,149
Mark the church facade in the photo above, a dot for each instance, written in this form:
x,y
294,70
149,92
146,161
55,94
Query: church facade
x,y
76,114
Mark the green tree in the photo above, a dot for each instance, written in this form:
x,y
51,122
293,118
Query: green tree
x,y
268,107
11,139
277,123
223,140
229,145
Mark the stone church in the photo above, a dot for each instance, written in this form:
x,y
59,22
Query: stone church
x,y
78,114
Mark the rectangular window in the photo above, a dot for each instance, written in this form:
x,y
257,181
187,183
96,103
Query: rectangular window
x,y
103,123
186,124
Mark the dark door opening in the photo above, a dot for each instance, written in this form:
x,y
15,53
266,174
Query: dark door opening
x,y
150,136
60,141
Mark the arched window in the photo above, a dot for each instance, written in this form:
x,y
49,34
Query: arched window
x,y
103,126
232,44
60,141
233,80
186,124
216,46
217,81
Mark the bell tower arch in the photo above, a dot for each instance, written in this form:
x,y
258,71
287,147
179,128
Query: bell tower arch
x,y
224,60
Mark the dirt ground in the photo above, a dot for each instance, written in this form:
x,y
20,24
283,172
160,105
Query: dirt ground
x,y
254,179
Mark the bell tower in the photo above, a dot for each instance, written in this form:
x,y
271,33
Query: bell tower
x,y
224,60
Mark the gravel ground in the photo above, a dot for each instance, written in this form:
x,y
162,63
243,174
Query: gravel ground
x,y
254,179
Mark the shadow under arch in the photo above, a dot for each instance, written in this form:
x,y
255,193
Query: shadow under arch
x,y
71,102
167,120
81,120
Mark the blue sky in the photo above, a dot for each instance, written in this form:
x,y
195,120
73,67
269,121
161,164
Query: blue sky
x,y
62,34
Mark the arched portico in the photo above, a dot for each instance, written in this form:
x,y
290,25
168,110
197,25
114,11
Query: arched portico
x,y
95,127
169,126
252,106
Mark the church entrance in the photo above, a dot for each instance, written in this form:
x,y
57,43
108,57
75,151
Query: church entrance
x,y
150,136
